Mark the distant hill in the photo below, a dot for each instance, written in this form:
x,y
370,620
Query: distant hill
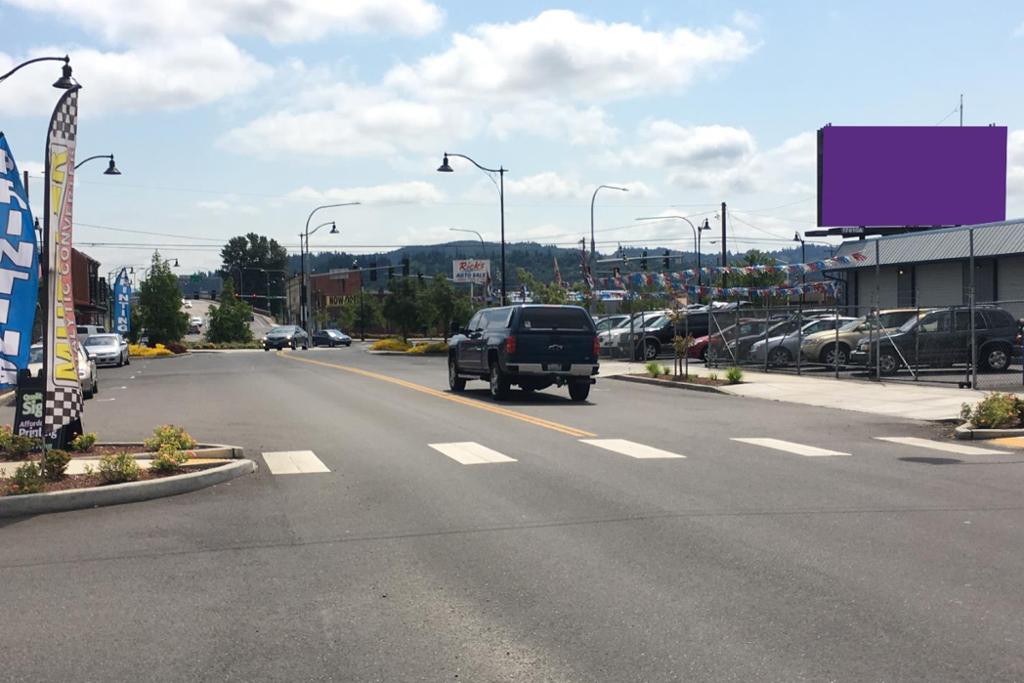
x,y
537,259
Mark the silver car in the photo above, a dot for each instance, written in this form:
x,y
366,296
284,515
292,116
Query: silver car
x,y
107,349
783,349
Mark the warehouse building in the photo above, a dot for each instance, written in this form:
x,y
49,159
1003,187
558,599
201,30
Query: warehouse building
x,y
932,268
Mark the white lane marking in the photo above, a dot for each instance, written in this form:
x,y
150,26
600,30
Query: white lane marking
x,y
631,448
940,445
103,400
132,377
294,462
470,453
122,387
791,447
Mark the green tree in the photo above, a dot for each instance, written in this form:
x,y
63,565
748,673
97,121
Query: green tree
x,y
404,306
447,304
160,304
229,322
542,293
257,262
757,279
356,317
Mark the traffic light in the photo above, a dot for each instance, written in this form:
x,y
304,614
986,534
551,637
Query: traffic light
x,y
643,261
405,266
373,271
664,261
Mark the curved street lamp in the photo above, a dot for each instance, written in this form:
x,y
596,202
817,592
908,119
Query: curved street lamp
x,y
111,167
304,313
696,234
445,167
64,82
593,246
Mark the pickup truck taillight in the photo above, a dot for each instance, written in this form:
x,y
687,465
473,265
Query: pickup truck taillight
x,y
597,347
510,345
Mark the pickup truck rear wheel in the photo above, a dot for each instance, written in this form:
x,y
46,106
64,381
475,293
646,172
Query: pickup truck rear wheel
x,y
455,383
499,383
579,389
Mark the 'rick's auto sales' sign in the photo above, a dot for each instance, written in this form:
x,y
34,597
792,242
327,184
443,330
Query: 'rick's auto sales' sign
x,y
477,271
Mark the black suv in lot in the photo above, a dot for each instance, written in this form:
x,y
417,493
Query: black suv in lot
x,y
529,346
941,337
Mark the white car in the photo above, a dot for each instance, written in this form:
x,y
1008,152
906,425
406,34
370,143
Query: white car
x,y
107,349
86,369
186,303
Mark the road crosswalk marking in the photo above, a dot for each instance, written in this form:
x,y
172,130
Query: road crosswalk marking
x,y
790,447
940,445
294,462
470,453
630,448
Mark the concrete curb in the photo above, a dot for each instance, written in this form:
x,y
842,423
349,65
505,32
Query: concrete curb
x,y
966,432
203,450
173,355
118,494
671,385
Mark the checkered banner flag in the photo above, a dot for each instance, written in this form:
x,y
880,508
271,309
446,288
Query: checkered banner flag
x,y
63,403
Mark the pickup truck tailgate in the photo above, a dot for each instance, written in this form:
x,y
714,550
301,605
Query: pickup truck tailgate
x,y
557,336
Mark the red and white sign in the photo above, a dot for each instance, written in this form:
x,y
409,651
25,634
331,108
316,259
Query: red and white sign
x,y
477,271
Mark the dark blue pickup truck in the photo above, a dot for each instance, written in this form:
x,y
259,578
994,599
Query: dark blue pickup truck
x,y
531,347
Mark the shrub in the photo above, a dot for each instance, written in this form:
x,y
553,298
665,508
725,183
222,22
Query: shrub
x,y
115,469
20,446
390,344
55,464
148,351
664,370
653,368
430,348
27,479
83,443
995,411
734,375
5,438
168,460
169,435
176,347
713,376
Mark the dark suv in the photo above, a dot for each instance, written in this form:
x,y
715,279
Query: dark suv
x,y
941,337
652,341
529,346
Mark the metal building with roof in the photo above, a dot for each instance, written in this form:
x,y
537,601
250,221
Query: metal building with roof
x,y
932,268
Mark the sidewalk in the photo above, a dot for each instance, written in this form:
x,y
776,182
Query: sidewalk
x,y
891,399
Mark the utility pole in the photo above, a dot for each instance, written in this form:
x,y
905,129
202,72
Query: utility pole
x,y
961,110
725,250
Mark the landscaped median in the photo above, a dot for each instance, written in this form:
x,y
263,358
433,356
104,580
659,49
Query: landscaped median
x,y
660,375
396,345
996,416
92,474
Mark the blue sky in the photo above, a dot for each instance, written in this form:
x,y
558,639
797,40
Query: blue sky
x,y
236,115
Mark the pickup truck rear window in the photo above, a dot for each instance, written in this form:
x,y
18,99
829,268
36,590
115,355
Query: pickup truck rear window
x,y
555,319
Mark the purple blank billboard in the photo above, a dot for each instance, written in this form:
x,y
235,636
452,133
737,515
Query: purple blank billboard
x,y
911,175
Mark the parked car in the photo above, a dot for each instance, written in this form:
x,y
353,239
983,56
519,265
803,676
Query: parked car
x,y
782,349
609,321
942,338
651,341
186,303
611,340
531,346
87,374
331,337
290,336
831,348
733,343
83,331
107,349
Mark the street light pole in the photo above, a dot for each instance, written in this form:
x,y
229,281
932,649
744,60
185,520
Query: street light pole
x,y
696,234
111,167
593,244
803,259
65,82
445,167
305,289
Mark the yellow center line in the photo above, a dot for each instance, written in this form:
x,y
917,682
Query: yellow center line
x,y
497,410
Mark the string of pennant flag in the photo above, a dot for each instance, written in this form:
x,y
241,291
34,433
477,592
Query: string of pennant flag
x,y
678,280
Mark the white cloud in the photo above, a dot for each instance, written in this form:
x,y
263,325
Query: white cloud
x,y
1015,174
561,54
281,21
667,144
229,204
747,21
412,192
554,121
551,185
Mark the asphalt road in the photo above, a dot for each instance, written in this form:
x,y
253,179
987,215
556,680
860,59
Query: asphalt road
x,y
260,324
572,562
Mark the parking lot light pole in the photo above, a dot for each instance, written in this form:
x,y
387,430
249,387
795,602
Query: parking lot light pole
x,y
445,167
696,234
797,237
